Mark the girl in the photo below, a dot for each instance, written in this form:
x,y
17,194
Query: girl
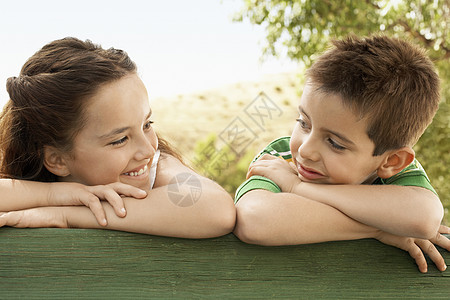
x,y
76,130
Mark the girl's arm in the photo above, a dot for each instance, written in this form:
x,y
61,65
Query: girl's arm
x,y
206,211
21,194
400,210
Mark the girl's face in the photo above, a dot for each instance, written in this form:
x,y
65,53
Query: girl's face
x,y
117,142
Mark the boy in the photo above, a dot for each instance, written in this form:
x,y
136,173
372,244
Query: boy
x,y
348,170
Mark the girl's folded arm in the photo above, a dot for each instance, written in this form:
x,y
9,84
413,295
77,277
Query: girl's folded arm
x,y
21,194
212,212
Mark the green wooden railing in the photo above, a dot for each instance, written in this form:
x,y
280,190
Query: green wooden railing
x,y
80,263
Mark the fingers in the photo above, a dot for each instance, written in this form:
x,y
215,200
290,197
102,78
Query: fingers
x,y
292,165
96,207
267,157
444,229
266,164
111,193
2,219
128,190
441,241
12,218
429,248
416,253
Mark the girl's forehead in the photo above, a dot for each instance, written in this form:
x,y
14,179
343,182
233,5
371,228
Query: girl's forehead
x,y
123,101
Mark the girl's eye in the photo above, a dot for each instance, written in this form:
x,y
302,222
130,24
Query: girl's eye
x,y
148,125
119,142
335,145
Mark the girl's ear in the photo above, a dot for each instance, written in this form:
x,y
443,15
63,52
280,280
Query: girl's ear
x,y
54,162
396,161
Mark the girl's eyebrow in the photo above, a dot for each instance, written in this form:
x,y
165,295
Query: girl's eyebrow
x,y
114,132
118,131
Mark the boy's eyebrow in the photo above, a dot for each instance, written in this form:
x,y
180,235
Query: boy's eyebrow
x,y
340,136
117,131
303,111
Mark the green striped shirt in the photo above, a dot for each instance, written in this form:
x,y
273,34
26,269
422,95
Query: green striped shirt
x,y
412,175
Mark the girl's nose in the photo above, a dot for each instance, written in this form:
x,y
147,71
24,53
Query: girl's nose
x,y
145,149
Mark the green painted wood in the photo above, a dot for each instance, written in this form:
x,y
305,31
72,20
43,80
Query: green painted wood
x,y
75,263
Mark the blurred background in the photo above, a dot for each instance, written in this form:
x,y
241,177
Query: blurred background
x,y
209,64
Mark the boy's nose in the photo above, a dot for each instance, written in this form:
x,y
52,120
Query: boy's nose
x,y
308,149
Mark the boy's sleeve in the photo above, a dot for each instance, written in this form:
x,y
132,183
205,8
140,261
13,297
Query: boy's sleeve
x,y
255,183
279,148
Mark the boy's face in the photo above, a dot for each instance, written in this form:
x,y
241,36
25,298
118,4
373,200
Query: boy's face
x,y
329,143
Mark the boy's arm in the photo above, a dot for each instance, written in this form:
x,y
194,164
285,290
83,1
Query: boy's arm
x,y
400,210
268,218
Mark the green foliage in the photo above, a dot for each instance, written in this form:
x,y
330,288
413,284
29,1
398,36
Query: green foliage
x,y
222,164
433,148
301,29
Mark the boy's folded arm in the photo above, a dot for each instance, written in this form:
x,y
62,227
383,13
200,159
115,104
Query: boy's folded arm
x,y
400,210
268,218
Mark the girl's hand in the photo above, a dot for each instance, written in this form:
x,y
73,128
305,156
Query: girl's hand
x,y
417,247
278,170
34,218
63,194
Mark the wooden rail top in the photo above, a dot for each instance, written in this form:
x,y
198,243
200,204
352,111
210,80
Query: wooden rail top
x,y
85,263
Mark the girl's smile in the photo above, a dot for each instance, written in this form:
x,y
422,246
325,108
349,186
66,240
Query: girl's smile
x,y
117,142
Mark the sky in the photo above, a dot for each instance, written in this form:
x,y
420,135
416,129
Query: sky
x,y
179,46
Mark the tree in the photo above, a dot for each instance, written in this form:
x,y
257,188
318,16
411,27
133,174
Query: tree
x,y
301,29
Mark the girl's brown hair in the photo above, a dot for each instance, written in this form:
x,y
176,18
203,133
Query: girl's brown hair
x,y
47,101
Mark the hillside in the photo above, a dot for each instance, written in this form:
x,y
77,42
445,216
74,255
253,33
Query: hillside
x,y
265,109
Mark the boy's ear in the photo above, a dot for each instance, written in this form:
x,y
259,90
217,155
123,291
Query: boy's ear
x,y
396,161
54,162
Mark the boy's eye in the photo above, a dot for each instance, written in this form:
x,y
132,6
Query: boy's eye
x,y
335,145
302,123
121,141
148,125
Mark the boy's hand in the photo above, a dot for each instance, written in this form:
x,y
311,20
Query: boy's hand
x,y
34,218
63,194
417,247
281,172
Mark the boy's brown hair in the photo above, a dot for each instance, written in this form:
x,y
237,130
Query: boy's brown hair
x,y
389,81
